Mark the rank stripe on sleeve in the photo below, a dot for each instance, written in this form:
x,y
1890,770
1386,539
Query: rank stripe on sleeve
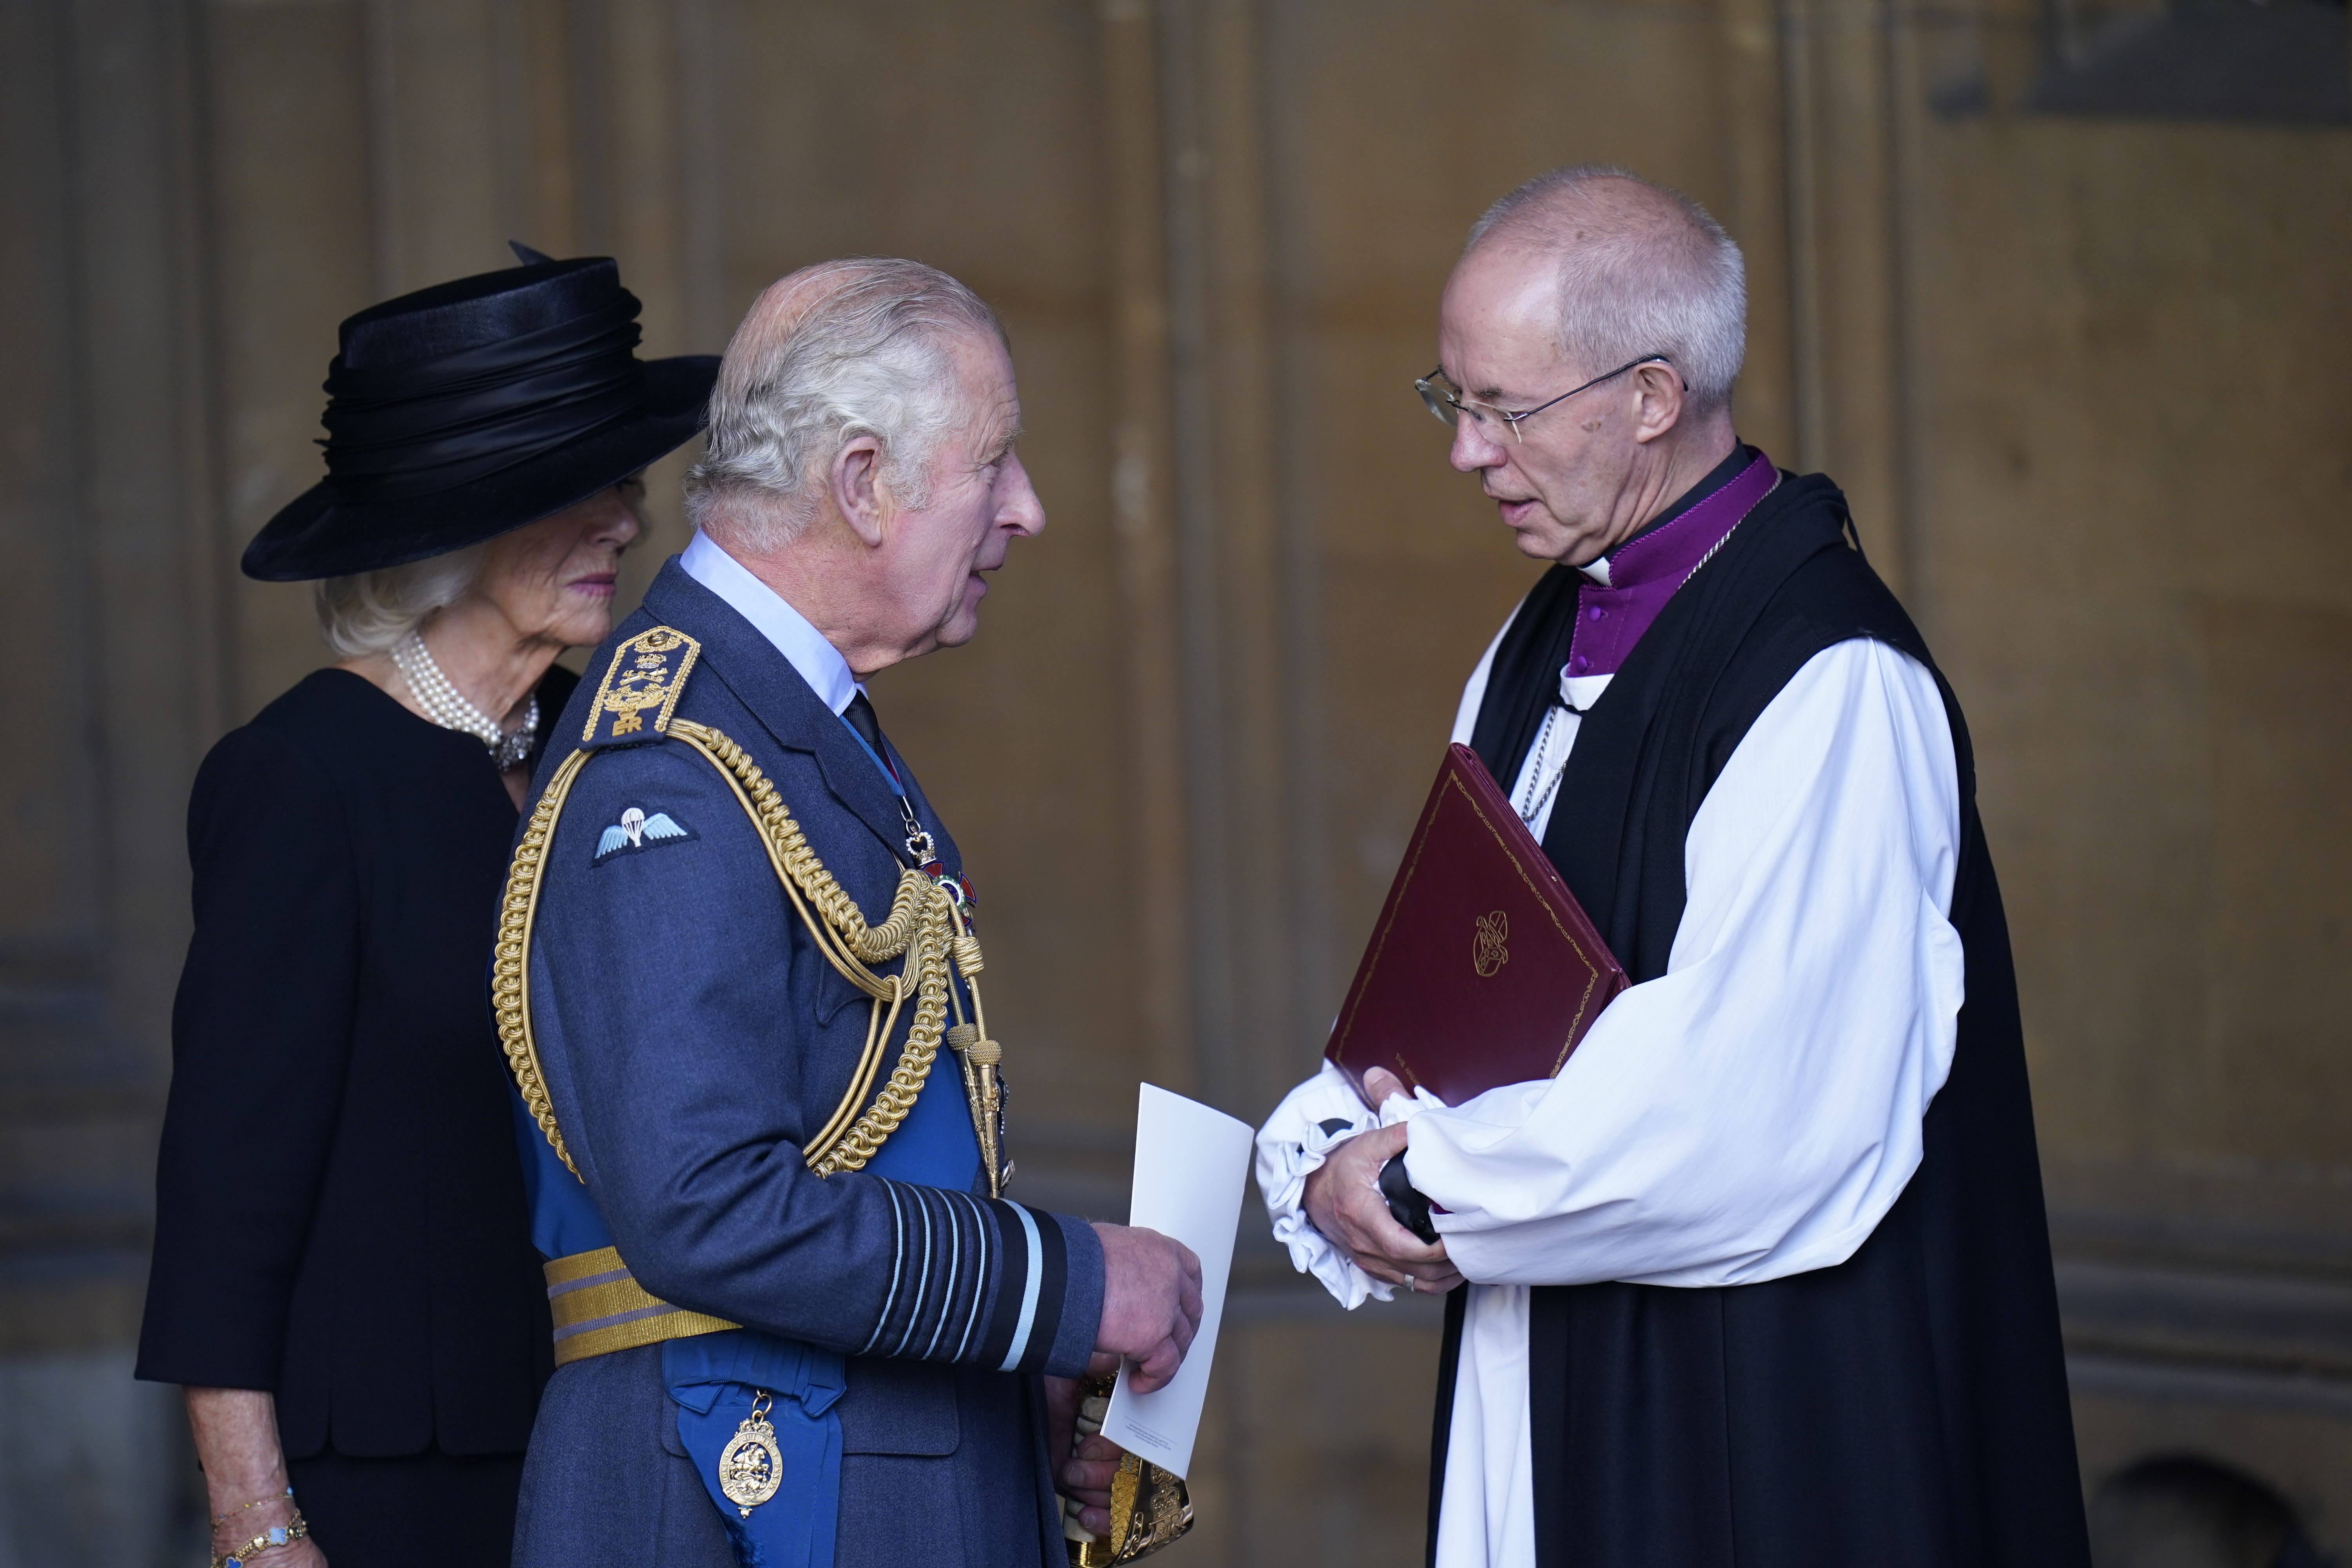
x,y
1028,1313
946,1247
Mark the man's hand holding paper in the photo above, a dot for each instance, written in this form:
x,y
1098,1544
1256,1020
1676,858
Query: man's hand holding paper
x,y
1152,1304
1152,1310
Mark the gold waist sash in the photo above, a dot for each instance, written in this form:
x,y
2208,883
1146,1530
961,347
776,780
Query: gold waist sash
x,y
600,1308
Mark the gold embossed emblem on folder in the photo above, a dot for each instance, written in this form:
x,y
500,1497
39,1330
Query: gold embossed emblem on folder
x,y
1473,885
1487,952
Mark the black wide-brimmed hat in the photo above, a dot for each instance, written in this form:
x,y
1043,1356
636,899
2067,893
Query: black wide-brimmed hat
x,y
468,409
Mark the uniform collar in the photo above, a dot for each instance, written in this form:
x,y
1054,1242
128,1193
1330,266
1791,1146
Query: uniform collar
x,y
803,647
779,693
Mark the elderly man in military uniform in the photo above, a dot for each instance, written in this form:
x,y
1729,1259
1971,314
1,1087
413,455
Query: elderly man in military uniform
x,y
796,1318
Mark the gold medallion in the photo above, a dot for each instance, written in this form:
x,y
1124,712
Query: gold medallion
x,y
750,1468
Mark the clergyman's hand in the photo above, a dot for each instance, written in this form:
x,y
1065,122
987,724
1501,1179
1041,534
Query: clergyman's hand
x,y
1151,1302
1344,1202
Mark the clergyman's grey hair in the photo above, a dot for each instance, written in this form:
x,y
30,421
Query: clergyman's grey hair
x,y
370,611
868,355
1643,270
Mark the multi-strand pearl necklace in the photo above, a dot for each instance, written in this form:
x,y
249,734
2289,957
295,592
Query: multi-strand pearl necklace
x,y
446,706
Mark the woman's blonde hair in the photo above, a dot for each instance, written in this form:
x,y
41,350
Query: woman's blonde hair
x,y
370,611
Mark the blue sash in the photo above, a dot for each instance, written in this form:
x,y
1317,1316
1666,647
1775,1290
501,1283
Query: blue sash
x,y
713,1379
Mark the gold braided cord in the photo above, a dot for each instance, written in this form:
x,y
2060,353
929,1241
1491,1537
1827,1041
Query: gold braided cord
x,y
879,1026
977,1056
864,1137
912,903
770,820
924,926
918,927
510,958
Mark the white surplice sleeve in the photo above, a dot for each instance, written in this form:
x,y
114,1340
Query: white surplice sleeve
x,y
1309,1124
1312,1119
1755,1111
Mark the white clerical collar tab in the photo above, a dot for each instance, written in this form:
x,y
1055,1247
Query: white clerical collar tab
x,y
1598,570
1579,692
817,661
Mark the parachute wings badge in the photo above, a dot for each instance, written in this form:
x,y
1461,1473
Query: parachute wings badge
x,y
637,831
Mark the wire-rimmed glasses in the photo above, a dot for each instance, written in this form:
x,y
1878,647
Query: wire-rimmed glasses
x,y
1445,402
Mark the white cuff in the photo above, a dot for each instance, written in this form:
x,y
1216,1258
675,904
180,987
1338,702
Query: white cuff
x,y
1292,1146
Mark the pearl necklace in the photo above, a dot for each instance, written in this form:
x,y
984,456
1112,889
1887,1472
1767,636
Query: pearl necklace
x,y
446,706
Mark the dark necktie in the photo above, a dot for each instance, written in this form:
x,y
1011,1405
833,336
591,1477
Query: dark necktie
x,y
860,715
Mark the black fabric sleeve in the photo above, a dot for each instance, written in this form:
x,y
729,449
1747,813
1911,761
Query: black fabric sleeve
x,y
260,1036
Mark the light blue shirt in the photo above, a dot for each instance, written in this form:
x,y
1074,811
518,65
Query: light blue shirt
x,y
819,662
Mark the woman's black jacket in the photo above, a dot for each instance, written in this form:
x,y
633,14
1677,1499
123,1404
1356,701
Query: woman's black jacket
x,y
339,1208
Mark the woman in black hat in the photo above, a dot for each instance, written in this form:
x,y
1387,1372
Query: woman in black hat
x,y
343,1276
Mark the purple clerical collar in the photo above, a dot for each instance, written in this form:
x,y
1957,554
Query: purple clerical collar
x,y
1638,577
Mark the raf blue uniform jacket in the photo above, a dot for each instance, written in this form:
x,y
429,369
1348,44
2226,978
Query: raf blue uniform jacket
x,y
691,1036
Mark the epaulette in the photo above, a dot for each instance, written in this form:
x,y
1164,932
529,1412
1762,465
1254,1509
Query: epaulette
x,y
641,688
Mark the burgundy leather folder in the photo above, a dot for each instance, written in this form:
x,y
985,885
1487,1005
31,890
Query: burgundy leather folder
x,y
1482,970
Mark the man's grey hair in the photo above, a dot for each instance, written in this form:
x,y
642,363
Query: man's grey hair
x,y
370,612
1644,269
844,349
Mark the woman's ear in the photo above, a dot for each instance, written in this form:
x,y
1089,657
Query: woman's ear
x,y
857,488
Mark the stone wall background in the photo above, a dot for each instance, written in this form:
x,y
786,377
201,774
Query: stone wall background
x,y
2056,291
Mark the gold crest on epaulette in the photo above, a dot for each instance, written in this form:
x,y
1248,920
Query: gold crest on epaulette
x,y
641,689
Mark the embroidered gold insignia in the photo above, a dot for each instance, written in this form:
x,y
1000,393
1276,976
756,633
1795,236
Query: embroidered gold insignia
x,y
647,673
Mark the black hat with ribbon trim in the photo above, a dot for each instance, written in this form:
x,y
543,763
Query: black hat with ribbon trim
x,y
468,409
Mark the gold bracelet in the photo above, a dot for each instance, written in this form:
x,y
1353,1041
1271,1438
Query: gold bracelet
x,y
281,1535
220,1518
